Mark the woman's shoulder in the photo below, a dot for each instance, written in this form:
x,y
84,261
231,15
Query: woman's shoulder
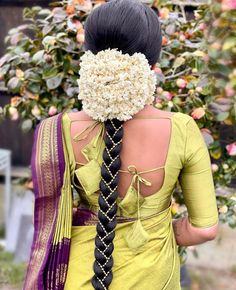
x,y
155,112
180,118
184,118
78,115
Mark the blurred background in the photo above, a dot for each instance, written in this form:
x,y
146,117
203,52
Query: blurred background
x,y
41,43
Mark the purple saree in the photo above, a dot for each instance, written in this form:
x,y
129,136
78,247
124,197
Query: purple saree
x,y
48,262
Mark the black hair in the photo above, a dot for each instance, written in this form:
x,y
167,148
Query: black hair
x,y
130,26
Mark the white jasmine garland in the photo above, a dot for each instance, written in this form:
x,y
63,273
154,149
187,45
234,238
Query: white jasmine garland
x,y
115,85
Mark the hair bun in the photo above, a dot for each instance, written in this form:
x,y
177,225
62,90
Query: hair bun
x,y
113,85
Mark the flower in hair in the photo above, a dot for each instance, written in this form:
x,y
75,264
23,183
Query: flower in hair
x,y
113,85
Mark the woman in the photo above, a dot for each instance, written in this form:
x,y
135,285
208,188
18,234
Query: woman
x,y
104,177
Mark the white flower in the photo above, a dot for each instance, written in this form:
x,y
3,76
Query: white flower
x,y
225,166
113,85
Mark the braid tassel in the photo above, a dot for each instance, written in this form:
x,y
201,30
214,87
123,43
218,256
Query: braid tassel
x,y
107,206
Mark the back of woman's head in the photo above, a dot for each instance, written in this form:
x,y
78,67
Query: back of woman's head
x,y
128,25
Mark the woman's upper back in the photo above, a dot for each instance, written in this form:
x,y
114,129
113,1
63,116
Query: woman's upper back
x,y
152,140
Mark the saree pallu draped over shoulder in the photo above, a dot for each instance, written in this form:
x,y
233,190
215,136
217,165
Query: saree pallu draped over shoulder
x,y
48,263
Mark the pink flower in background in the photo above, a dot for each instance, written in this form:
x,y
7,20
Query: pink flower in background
x,y
78,24
36,111
228,5
52,111
216,23
74,24
182,37
167,95
164,13
198,113
206,58
159,90
164,40
181,83
157,70
80,35
216,45
231,149
214,167
14,115
202,26
223,209
230,92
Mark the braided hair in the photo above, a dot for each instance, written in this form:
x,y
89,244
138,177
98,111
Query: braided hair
x,y
130,26
107,205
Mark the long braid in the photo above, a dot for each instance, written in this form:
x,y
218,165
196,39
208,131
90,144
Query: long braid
x,y
107,205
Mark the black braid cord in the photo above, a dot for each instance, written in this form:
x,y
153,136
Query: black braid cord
x,y
107,200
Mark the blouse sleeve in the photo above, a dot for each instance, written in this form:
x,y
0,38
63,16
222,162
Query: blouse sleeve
x,y
196,179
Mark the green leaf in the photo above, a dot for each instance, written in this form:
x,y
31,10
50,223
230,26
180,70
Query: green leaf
x,y
199,64
197,102
13,31
27,13
206,90
36,9
220,83
5,59
220,68
14,84
4,69
34,87
32,76
178,62
47,28
213,53
44,12
50,72
190,85
49,42
38,57
54,82
61,34
66,66
175,43
221,116
229,43
232,221
164,62
26,125
59,15
44,100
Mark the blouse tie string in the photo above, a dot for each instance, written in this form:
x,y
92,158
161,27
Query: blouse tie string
x,y
84,134
137,179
